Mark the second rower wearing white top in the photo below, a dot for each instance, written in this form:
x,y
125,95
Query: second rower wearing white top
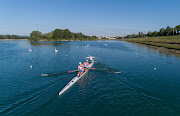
x,y
80,69
86,64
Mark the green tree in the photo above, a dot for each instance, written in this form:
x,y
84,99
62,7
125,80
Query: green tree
x,y
68,34
48,36
35,36
178,27
162,32
149,34
155,34
58,34
169,31
1,37
139,34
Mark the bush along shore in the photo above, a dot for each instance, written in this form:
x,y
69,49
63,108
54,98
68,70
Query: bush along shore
x,y
14,37
60,35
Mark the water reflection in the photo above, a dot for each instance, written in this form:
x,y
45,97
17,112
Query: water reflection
x,y
83,81
43,43
160,50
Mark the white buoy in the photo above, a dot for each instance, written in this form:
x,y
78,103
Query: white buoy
x,y
56,50
66,55
30,66
154,68
105,44
30,50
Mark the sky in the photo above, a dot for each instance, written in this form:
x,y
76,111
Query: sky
x,y
91,17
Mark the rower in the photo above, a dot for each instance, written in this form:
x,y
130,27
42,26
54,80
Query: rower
x,y
80,69
86,64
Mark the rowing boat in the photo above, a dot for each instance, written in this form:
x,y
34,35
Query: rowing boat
x,y
75,79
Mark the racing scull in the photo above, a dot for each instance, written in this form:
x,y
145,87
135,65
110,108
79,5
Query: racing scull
x,y
75,79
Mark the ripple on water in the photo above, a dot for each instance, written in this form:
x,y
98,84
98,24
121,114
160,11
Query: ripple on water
x,y
138,90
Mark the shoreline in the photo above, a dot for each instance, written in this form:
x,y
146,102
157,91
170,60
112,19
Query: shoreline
x,y
13,39
167,45
64,40
59,40
44,40
162,49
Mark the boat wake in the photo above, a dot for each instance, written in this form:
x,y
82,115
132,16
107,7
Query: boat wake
x,y
30,100
104,68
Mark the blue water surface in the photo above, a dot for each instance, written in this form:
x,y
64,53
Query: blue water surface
x,y
149,84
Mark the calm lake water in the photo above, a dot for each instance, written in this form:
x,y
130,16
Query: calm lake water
x,y
139,90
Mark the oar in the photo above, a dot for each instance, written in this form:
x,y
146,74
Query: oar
x,y
58,73
105,70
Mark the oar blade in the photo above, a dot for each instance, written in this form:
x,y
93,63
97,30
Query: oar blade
x,y
58,73
117,72
44,74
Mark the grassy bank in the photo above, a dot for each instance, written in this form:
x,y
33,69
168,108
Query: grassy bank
x,y
168,42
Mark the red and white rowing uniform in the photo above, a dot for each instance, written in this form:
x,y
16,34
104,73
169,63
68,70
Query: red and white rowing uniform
x,y
86,64
80,67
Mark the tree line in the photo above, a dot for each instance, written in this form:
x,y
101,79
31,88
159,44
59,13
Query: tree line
x,y
162,32
13,37
58,35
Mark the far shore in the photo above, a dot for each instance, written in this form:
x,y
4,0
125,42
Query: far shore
x,y
64,40
40,40
13,39
45,40
58,40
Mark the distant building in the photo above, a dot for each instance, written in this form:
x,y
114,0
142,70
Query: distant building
x,y
113,38
100,37
110,38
